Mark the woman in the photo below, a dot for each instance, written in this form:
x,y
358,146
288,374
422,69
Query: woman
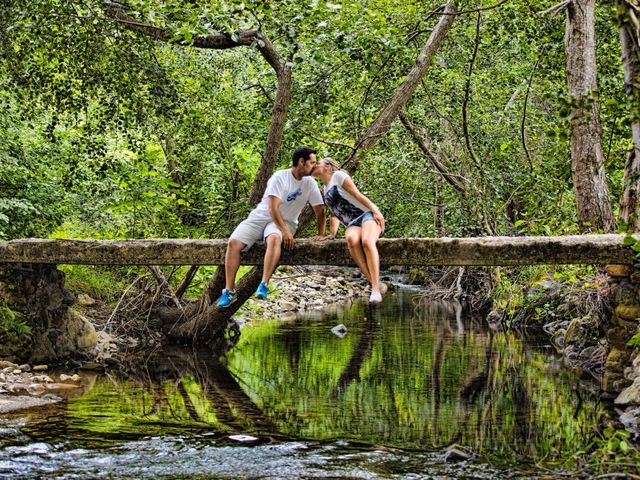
x,y
363,221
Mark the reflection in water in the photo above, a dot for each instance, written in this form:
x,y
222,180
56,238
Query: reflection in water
x,y
413,376
408,375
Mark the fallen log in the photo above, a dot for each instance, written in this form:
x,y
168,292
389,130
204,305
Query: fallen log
x,y
478,251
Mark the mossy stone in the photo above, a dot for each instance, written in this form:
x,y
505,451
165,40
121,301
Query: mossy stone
x,y
619,270
418,276
617,359
626,293
628,312
620,335
613,379
635,277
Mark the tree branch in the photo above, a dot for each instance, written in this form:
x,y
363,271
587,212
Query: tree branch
x,y
211,319
481,9
467,94
262,89
328,142
440,168
220,41
524,116
556,8
383,121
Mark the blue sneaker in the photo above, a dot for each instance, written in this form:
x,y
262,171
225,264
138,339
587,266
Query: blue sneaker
x,y
226,299
262,291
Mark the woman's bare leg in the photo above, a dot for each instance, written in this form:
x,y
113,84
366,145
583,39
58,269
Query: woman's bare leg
x,y
353,237
370,235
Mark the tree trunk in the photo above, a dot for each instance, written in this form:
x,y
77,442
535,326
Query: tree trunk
x,y
587,159
209,319
269,158
630,40
381,124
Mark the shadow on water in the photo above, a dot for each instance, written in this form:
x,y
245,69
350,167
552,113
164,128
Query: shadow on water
x,y
407,380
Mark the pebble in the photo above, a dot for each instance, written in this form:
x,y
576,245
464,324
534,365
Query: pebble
x,y
243,438
455,453
339,330
286,306
36,389
631,420
61,386
311,290
18,380
92,366
85,300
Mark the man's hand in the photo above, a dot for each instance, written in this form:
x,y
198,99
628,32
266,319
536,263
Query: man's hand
x,y
287,239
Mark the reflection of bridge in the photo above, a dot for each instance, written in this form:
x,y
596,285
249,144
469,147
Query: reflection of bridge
x,y
578,249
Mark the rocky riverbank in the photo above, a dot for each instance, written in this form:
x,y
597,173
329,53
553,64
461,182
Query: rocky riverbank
x,y
588,327
296,290
27,386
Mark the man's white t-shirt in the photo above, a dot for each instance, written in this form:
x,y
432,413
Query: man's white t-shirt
x,y
293,194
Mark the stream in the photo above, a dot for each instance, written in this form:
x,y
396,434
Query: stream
x,y
386,397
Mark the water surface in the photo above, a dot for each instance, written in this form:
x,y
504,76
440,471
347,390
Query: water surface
x,y
293,400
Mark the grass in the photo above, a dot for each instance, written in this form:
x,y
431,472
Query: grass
x,y
99,282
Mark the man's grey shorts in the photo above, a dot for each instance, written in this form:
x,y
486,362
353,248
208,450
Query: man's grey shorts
x,y
250,231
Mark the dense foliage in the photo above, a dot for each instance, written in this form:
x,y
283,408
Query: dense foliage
x,y
110,134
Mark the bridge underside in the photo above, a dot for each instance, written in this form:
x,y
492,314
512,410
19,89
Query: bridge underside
x,y
578,249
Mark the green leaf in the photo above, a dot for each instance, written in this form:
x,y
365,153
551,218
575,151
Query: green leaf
x,y
634,341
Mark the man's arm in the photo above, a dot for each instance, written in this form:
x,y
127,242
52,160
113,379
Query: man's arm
x,y
274,211
321,220
334,224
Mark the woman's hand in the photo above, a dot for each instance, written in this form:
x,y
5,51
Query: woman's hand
x,y
377,216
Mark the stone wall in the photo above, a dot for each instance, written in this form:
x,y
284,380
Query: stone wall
x,y
37,292
622,367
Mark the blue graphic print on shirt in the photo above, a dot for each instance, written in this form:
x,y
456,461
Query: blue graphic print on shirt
x,y
293,195
341,207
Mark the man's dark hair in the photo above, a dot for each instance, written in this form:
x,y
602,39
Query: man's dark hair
x,y
302,152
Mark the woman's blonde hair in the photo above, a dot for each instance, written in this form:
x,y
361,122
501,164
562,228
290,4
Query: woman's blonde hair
x,y
332,163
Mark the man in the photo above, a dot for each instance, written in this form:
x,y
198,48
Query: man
x,y
275,220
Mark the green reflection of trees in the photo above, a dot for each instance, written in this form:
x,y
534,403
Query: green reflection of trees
x,y
414,376
178,390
